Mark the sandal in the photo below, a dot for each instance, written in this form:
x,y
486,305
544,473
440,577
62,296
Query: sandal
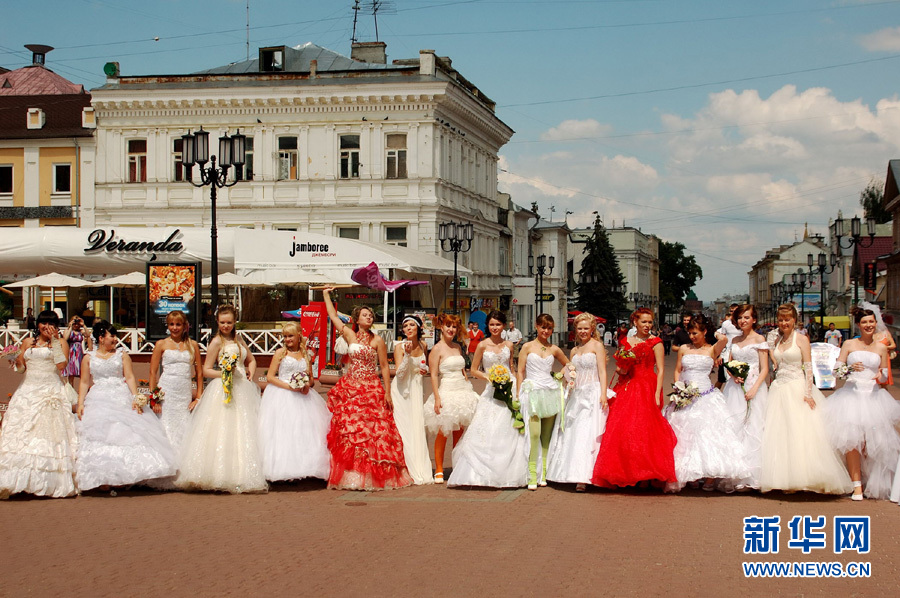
x,y
439,477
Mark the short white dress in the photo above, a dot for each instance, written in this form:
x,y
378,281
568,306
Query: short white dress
x,y
458,399
577,435
116,445
293,429
492,453
862,415
707,446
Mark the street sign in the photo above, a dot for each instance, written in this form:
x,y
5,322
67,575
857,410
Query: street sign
x,y
463,282
545,297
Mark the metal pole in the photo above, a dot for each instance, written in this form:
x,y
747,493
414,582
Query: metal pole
x,y
214,238
856,271
455,282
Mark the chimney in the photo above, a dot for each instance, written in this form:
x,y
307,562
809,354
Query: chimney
x,y
371,52
313,68
38,53
426,62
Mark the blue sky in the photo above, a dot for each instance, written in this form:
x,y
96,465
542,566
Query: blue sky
x,y
725,125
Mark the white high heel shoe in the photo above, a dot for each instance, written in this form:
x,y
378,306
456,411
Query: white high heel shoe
x,y
856,496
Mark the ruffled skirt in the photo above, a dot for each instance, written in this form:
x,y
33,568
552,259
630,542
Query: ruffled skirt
x,y
118,446
864,420
38,441
458,403
542,402
708,447
749,427
365,446
221,448
293,434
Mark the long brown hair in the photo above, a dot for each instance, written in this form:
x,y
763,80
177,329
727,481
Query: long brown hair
x,y
229,309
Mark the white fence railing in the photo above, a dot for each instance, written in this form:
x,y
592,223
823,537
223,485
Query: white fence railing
x,y
133,340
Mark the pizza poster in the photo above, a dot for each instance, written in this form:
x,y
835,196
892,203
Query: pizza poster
x,y
170,287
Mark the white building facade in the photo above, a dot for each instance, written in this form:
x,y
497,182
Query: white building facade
x,y
365,150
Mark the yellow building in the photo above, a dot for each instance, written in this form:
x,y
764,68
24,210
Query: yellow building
x,y
46,146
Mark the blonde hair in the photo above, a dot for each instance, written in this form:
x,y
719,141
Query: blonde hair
x,y
185,336
586,317
789,309
296,329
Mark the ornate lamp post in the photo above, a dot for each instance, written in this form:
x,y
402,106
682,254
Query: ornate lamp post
x,y
539,273
800,284
856,241
455,237
823,267
232,151
619,289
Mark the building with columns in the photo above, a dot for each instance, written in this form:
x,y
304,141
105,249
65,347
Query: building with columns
x,y
351,147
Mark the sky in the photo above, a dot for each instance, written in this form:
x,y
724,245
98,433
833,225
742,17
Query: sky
x,y
726,125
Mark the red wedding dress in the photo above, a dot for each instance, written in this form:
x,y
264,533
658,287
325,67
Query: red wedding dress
x,y
638,443
366,449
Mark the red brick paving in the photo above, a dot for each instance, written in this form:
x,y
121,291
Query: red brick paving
x,y
432,541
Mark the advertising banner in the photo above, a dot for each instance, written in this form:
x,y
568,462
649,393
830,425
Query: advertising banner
x,y
172,286
314,322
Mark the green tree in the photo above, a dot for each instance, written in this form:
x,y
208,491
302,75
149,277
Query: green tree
x,y
677,274
872,200
598,277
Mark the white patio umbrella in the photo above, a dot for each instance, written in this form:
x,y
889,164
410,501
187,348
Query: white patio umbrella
x,y
52,280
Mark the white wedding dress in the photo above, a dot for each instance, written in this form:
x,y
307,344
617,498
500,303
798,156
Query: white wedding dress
x,y
576,437
118,446
492,453
293,429
862,415
176,381
221,448
37,440
409,415
749,427
708,447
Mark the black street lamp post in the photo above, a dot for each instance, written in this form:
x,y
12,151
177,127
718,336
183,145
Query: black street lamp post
x,y
856,241
542,270
822,265
232,151
620,290
800,284
455,237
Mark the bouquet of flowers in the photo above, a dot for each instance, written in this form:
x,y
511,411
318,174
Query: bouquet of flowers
x,y
502,382
298,380
157,396
11,353
227,363
842,371
684,394
625,359
141,400
740,369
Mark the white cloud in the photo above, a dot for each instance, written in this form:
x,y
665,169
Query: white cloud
x,y
744,173
570,130
883,40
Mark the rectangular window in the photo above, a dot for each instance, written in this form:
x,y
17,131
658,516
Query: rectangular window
x,y
179,172
287,158
349,156
503,257
348,232
396,157
137,161
6,178
395,235
248,161
62,178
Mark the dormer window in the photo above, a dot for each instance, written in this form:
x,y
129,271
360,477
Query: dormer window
x,y
271,59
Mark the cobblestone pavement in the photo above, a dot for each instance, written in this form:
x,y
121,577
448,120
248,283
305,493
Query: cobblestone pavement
x,y
302,539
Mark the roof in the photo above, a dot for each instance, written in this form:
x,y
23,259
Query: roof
x,y
296,60
36,80
62,112
890,184
881,246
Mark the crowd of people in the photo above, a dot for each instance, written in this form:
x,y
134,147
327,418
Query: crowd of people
x,y
544,415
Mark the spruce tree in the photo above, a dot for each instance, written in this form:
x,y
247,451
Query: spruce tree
x,y
598,277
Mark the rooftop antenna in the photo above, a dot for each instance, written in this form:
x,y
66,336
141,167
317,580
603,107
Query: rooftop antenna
x,y
385,6
248,29
552,210
353,39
